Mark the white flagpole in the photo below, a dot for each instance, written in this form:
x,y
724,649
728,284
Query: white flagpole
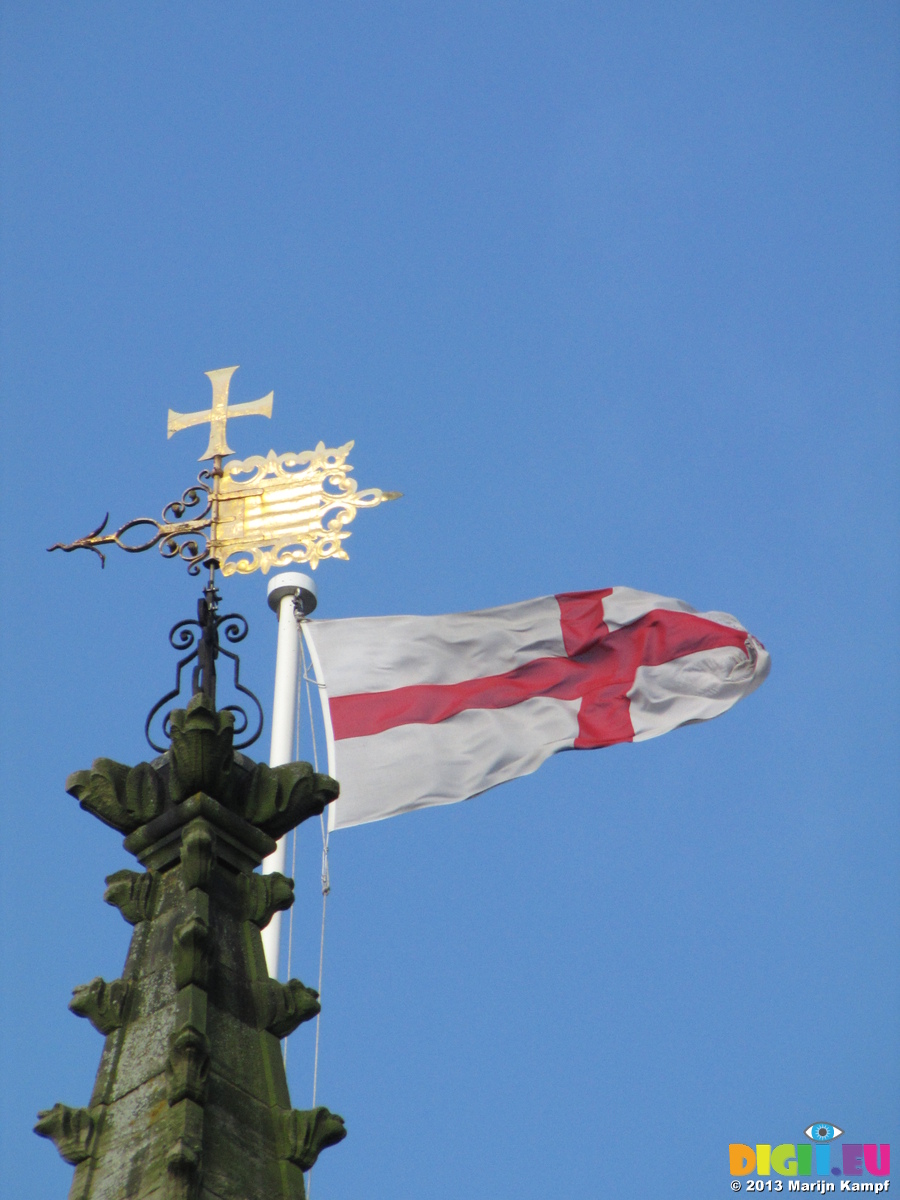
x,y
284,591
306,630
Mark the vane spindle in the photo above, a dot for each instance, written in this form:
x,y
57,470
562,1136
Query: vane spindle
x,y
204,676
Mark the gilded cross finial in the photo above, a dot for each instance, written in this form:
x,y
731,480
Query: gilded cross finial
x,y
217,415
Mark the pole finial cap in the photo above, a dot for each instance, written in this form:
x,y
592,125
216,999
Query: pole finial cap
x,y
292,583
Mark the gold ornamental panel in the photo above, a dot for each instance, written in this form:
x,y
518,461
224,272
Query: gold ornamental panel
x,y
286,508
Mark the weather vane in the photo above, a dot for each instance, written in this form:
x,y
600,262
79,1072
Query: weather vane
x,y
254,514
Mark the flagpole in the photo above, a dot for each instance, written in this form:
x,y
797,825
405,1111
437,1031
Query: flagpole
x,y
290,595
307,633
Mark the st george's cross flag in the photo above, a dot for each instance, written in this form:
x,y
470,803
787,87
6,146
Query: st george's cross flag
x,y
431,710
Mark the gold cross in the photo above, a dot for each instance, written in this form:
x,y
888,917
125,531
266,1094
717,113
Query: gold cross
x,y
219,413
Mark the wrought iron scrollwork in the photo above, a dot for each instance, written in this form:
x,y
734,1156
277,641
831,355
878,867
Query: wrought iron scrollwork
x,y
176,536
201,638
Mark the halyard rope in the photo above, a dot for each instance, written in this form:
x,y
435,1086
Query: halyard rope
x,y
305,678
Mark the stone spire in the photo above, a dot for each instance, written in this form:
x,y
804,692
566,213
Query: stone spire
x,y
191,1100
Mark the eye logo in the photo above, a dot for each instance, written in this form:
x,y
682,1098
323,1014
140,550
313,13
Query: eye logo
x,y
823,1132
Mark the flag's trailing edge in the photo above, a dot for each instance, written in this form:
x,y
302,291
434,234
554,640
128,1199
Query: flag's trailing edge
x,y
431,710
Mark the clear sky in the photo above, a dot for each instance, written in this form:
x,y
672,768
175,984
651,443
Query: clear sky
x,y
609,291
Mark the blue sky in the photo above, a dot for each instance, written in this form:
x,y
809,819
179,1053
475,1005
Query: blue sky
x,y
609,292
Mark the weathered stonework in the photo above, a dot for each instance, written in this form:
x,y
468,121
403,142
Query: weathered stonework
x,y
131,892
191,1101
104,1004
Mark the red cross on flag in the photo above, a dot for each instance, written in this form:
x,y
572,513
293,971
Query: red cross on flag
x,y
431,710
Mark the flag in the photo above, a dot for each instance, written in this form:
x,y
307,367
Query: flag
x,y
432,710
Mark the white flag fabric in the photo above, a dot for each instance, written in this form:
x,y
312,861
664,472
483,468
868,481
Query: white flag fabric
x,y
431,710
